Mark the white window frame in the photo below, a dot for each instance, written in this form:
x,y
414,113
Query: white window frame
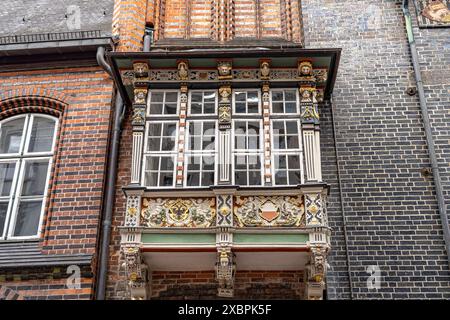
x,y
21,159
244,152
216,103
297,102
259,113
176,115
189,153
147,153
286,151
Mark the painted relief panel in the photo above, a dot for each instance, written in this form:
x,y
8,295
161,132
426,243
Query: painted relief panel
x,y
276,211
433,13
178,212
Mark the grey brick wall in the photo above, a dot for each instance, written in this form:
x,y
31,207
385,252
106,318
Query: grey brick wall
x,y
391,209
23,17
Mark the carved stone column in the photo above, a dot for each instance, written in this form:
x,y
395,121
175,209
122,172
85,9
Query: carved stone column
x,y
140,84
310,122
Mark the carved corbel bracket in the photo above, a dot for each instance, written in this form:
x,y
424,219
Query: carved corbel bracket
x,y
316,271
225,272
136,272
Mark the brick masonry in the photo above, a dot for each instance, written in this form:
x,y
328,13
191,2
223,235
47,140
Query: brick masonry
x,y
391,209
81,97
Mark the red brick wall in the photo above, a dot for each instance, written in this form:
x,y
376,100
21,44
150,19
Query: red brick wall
x,y
74,204
248,285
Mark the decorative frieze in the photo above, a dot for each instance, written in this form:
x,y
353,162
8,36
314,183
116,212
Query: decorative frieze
x,y
275,211
179,212
238,75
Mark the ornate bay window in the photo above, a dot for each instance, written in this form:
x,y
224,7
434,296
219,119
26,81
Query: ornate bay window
x,y
226,164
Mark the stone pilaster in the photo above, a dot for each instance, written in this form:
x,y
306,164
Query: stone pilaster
x,y
310,122
140,84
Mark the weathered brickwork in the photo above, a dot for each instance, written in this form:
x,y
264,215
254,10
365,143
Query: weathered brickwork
x,y
81,98
45,284
390,208
249,285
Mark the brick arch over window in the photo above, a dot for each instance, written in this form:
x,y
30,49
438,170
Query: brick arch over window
x,y
34,100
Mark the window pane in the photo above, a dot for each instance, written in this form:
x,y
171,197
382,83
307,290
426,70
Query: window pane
x,y
291,127
253,142
11,136
209,128
154,144
294,162
289,95
294,177
193,163
209,108
154,129
278,142
240,107
169,129
196,108
240,163
252,102
292,142
207,178
277,96
35,177
27,220
170,108
240,96
193,179
196,97
278,127
152,163
208,143
166,179
291,107
172,97
166,163
254,162
277,107
168,144
280,177
42,132
3,211
254,178
151,179
6,178
208,163
156,108
241,178
210,96
280,162
157,97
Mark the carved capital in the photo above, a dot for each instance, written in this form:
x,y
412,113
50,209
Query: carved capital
x,y
264,69
141,73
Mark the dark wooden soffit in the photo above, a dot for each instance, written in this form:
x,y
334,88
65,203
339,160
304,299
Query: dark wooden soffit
x,y
288,57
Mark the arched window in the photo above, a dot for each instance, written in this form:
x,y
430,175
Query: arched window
x,y
27,144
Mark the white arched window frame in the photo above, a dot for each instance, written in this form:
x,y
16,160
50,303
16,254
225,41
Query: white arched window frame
x,y
27,145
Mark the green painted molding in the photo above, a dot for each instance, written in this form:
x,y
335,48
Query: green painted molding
x,y
179,238
242,238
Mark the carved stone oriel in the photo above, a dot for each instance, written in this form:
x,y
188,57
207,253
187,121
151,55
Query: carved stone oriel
x,y
179,212
259,211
